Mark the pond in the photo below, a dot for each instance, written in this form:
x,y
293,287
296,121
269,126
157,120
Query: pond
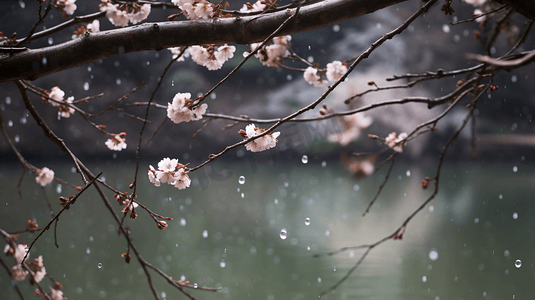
x,y
255,236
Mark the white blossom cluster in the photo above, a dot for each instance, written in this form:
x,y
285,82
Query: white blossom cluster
x,y
210,58
265,142
58,94
134,13
257,6
171,172
396,143
44,176
195,9
335,71
19,273
180,111
117,142
68,6
272,55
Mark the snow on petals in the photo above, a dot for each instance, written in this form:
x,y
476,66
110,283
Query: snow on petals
x,y
44,176
265,142
170,171
180,110
311,76
335,70
117,142
396,143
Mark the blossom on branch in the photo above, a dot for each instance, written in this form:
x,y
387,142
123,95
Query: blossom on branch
x,y
176,52
56,294
265,142
170,171
94,26
117,142
44,176
257,6
209,57
335,70
181,109
39,269
57,94
396,143
120,15
274,54
19,274
65,111
66,6
311,76
195,10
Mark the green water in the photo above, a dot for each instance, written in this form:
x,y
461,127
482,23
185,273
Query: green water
x,y
470,225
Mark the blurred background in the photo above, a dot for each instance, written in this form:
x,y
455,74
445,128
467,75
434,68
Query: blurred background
x,y
227,234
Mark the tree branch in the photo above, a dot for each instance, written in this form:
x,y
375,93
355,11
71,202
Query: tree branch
x,y
156,36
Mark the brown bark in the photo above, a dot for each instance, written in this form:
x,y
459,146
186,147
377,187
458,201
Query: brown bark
x,y
156,36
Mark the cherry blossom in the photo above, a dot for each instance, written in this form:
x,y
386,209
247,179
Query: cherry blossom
x,y
199,54
57,94
133,12
19,274
176,51
166,170
39,268
94,26
182,179
140,15
65,111
170,171
265,142
180,111
272,55
257,6
44,176
311,76
67,6
152,176
195,10
56,294
225,53
117,142
335,70
396,143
